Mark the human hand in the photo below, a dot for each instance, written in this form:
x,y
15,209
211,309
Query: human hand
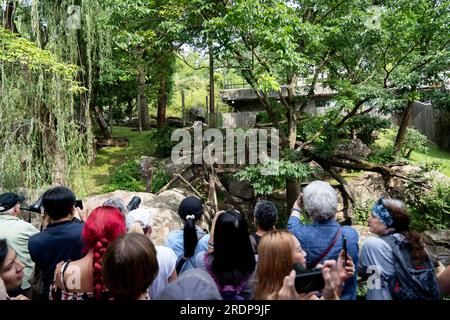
x,y
330,277
81,215
299,201
344,273
288,292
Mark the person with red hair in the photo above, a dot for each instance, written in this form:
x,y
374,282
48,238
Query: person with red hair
x,y
83,279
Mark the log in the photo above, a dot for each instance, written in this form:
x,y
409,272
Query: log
x,y
113,142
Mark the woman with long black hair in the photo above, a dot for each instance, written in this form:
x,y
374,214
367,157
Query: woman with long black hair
x,y
191,239
230,260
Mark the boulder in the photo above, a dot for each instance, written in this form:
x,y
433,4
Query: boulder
x,y
179,167
437,243
355,148
368,186
164,208
241,189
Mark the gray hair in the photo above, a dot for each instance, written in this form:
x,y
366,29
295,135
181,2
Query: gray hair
x,y
117,203
320,200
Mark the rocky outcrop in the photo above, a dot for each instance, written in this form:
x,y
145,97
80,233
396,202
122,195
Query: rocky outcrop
x,y
241,189
164,208
371,186
438,244
354,148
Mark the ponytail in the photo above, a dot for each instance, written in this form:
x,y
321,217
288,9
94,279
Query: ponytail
x,y
190,238
190,211
401,224
99,250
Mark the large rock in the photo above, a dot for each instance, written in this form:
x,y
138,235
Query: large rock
x,y
241,189
368,186
180,167
364,233
438,244
164,208
355,148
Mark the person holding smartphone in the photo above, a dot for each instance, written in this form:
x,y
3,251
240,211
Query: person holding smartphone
x,y
279,251
322,239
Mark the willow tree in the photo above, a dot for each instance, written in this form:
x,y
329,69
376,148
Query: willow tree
x,y
51,121
39,130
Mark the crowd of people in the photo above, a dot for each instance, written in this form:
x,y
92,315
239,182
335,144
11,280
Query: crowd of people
x,y
109,254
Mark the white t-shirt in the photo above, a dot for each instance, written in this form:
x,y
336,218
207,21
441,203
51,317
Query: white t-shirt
x,y
167,260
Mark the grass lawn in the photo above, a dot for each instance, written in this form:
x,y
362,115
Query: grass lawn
x,y
90,179
433,154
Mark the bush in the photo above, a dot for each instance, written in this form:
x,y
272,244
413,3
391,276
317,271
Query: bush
x,y
126,177
414,140
429,210
366,126
381,154
362,212
162,139
265,178
159,180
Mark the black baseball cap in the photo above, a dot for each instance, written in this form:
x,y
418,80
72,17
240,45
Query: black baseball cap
x,y
9,200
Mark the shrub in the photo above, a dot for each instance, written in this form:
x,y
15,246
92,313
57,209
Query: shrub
x,y
162,139
362,212
265,178
159,180
126,177
381,154
366,126
414,140
429,210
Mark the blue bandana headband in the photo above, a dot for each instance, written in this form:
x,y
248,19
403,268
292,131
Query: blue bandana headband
x,y
380,211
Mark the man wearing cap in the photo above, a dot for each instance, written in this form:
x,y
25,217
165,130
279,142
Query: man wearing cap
x,y
17,232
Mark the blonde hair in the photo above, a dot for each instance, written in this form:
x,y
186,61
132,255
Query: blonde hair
x,y
136,228
274,263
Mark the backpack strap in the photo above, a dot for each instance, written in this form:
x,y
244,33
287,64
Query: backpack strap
x,y
324,254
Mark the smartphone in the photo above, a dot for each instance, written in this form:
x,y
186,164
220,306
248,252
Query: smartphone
x,y
79,204
308,280
344,247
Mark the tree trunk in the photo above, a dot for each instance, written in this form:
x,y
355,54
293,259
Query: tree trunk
x,y
101,122
292,189
8,18
406,119
162,100
130,109
142,101
212,113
